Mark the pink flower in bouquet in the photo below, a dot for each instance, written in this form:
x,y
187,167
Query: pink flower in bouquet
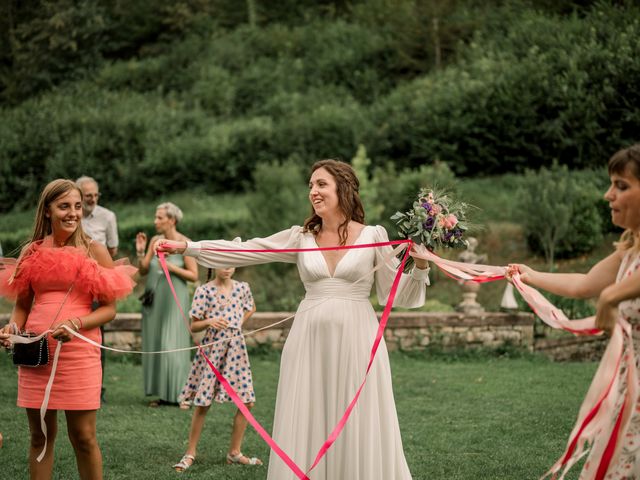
x,y
450,221
435,209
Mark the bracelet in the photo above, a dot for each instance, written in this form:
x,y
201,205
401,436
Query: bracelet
x,y
80,321
75,325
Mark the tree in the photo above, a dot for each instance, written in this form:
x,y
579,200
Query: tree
x,y
559,213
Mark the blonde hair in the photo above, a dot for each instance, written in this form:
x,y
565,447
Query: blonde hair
x,y
42,223
173,211
621,161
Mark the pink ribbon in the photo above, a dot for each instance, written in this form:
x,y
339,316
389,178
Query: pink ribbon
x,y
592,419
236,399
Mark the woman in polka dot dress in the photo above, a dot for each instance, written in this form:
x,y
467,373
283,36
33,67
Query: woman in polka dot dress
x,y
220,306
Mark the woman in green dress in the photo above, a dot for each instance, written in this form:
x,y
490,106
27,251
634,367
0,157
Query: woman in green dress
x,y
162,324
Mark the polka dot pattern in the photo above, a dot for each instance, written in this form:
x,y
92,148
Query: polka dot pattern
x,y
228,354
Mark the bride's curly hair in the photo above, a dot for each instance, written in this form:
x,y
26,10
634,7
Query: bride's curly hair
x,y
347,186
627,158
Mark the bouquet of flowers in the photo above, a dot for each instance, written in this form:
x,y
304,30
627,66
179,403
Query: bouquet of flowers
x,y
435,221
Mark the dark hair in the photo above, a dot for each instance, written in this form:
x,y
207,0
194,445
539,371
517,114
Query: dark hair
x,y
209,274
347,189
627,158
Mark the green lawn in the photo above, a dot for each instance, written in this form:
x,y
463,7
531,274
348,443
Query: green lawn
x,y
466,418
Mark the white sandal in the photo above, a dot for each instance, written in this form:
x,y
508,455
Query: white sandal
x,y
236,460
184,463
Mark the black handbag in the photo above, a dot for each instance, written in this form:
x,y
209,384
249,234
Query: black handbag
x,y
146,299
31,354
35,354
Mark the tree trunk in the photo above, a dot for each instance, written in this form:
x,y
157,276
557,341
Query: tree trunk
x,y
436,43
252,13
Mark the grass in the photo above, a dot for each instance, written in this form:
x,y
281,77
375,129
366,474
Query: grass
x,y
461,418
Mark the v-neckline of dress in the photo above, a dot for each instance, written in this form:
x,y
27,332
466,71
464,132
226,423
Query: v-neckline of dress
x,y
324,259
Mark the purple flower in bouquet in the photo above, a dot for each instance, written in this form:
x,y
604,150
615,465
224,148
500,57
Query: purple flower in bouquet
x,y
429,223
436,220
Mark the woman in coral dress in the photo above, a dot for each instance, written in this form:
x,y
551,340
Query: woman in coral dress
x,y
327,350
54,282
612,432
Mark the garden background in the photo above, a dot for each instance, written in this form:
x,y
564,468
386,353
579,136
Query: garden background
x,y
221,107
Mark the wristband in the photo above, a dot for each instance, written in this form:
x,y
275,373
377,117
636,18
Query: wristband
x,y
80,321
75,325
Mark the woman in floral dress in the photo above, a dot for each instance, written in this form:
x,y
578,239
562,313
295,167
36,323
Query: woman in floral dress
x,y
610,421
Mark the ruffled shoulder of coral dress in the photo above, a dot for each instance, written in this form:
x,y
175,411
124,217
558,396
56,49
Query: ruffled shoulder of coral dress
x,y
42,264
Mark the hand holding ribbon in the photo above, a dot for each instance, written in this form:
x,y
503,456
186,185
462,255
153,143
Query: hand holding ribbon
x,y
169,247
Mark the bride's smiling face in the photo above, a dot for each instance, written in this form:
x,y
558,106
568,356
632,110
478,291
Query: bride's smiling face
x,y
323,193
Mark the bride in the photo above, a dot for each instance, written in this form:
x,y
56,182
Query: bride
x,y
326,353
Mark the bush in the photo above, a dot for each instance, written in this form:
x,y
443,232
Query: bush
x,y
559,213
329,131
279,198
539,89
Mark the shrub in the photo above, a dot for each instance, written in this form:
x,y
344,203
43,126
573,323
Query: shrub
x,y
559,214
279,197
330,131
535,89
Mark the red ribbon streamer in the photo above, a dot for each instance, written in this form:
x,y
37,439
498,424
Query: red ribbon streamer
x,y
345,417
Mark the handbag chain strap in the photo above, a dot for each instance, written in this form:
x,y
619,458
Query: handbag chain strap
x,y
62,304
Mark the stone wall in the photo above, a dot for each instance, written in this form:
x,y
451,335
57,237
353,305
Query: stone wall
x,y
572,348
405,330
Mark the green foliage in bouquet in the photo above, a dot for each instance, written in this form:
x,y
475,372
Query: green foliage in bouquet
x,y
436,221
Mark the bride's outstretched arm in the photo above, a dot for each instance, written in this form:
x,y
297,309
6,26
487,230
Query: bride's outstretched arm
x,y
207,252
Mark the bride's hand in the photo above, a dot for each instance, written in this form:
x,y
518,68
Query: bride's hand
x,y
169,246
415,252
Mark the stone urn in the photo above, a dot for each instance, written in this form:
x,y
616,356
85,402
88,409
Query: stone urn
x,y
469,304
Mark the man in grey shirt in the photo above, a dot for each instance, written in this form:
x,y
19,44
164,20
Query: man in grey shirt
x,y
100,224
97,222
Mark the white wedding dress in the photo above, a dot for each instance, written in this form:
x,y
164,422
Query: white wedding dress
x,y
326,354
